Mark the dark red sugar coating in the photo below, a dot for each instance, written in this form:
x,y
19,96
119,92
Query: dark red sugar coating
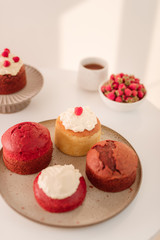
x,y
60,205
111,166
11,84
27,148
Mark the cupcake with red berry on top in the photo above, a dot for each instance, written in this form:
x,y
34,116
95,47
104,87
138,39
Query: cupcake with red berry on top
x,y
76,131
12,73
59,188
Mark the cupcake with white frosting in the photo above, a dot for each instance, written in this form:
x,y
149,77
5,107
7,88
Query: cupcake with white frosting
x,y
59,188
76,131
12,73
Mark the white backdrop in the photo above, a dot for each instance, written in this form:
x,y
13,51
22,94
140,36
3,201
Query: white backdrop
x,y
59,33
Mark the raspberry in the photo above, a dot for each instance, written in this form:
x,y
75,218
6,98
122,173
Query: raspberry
x,y
135,99
118,99
112,77
121,75
5,54
122,86
128,99
120,80
133,86
6,50
134,93
108,87
143,90
120,92
115,85
6,63
128,92
16,59
137,80
123,98
140,87
131,76
103,88
127,82
78,110
111,95
140,94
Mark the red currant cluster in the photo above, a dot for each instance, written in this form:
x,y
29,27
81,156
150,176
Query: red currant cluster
x,y
5,54
123,88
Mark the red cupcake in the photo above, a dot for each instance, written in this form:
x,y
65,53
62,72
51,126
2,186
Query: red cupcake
x,y
27,148
111,166
59,188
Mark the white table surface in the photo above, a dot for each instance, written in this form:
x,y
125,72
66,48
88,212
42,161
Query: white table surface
x,y
141,219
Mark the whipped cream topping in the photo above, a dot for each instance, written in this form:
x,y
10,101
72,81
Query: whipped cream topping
x,y
87,120
14,67
59,181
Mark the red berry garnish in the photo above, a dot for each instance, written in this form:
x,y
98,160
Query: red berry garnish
x,y
120,92
78,110
115,85
5,54
112,77
127,92
6,63
133,86
137,80
118,99
6,50
103,88
108,87
111,95
121,75
134,93
128,99
16,59
122,86
140,94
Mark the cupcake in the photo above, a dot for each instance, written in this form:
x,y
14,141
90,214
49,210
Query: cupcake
x,y
111,166
76,131
59,188
12,73
27,148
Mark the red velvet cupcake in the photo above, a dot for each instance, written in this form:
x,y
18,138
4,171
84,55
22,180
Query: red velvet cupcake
x,y
27,148
12,73
111,166
59,188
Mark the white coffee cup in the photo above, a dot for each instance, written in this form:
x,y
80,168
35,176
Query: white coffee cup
x,y
92,71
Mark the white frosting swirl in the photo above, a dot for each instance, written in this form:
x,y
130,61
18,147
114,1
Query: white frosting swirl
x,y
13,68
59,181
87,120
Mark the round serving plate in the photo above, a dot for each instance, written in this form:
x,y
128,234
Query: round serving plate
x,y
98,206
17,101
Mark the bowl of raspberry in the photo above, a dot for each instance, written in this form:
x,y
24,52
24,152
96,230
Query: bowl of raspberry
x,y
122,92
